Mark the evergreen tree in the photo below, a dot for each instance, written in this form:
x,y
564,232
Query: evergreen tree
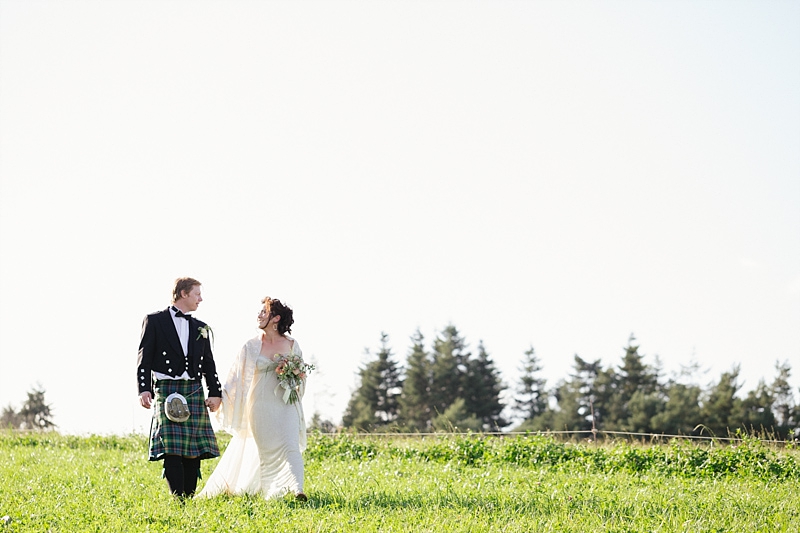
x,y
320,424
576,396
643,408
783,399
390,384
681,395
794,425
634,374
681,411
567,415
360,410
605,401
721,407
10,418
375,402
35,414
531,398
639,380
415,400
457,418
482,387
449,366
756,410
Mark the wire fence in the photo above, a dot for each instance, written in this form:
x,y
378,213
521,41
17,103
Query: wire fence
x,y
587,434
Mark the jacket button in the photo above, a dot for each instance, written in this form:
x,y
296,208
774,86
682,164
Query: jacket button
x,y
169,370
167,361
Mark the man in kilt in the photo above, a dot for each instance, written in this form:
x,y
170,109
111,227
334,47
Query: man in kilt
x,y
174,355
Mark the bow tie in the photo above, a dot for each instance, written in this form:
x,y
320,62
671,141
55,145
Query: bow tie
x,y
181,314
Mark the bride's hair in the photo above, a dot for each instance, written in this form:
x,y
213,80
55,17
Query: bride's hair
x,y
277,308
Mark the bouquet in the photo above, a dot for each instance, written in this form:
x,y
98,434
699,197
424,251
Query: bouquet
x,y
291,372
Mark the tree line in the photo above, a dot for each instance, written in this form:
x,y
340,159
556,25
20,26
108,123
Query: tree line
x,y
446,386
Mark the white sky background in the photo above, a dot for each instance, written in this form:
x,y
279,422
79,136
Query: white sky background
x,y
555,174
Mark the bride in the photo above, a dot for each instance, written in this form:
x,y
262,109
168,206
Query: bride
x,y
269,431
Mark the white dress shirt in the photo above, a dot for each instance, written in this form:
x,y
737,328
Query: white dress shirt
x,y
182,327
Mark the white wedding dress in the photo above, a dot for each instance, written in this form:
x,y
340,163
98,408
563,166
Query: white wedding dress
x,y
264,455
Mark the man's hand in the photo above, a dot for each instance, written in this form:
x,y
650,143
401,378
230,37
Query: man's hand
x,y
213,403
146,399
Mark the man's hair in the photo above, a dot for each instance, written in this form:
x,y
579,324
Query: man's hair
x,y
183,285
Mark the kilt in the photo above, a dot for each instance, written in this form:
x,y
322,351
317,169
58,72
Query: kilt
x,y
193,438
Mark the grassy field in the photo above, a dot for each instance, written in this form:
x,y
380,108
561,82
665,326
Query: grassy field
x,y
50,482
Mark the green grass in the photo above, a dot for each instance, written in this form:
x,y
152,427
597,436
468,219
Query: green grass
x,y
50,482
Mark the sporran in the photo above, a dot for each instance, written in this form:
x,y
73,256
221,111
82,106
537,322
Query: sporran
x,y
176,408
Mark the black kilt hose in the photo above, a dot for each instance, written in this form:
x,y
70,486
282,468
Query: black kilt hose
x,y
193,438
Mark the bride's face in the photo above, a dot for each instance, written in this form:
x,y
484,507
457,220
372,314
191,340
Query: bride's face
x,y
263,318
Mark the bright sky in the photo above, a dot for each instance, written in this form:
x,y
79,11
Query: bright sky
x,y
555,174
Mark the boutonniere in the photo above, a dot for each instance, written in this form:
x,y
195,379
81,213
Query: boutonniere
x,y
205,331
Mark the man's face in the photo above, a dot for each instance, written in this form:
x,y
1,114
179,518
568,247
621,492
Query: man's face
x,y
192,299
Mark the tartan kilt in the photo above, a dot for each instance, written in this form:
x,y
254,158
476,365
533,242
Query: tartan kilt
x,y
193,438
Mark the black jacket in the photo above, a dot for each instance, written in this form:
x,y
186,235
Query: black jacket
x,y
160,351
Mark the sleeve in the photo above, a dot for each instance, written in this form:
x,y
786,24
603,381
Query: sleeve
x,y
147,346
209,370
